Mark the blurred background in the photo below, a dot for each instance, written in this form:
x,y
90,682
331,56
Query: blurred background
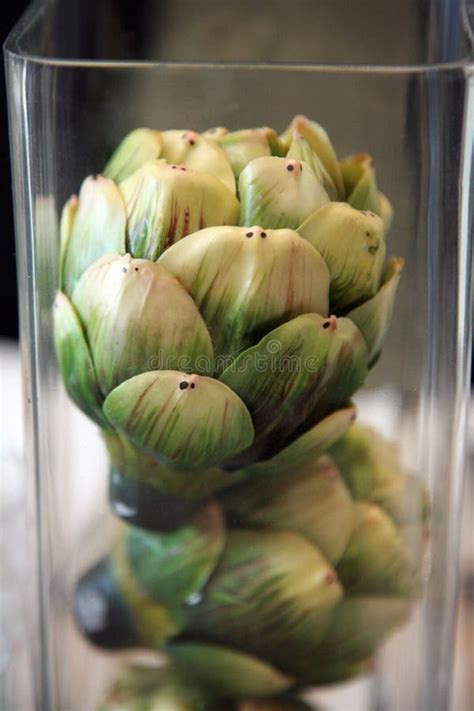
x,y
10,388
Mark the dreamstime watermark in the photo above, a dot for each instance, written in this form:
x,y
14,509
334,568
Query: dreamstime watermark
x,y
274,358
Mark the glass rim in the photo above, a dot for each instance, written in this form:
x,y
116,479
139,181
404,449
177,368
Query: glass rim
x,y
12,47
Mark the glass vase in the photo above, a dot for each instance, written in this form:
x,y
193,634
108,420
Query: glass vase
x,y
394,80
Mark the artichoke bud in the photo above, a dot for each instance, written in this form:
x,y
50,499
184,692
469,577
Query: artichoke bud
x,y
243,146
172,568
157,411
301,150
300,371
75,362
270,275
227,672
272,594
353,246
198,152
308,446
319,141
376,559
374,316
156,689
96,226
279,192
137,148
137,317
359,180
313,501
165,203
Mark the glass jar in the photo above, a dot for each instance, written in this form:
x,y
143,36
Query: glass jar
x,y
393,79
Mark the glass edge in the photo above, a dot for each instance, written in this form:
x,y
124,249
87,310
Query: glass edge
x,y
12,48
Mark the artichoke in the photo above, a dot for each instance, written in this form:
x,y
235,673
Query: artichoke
x,y
222,296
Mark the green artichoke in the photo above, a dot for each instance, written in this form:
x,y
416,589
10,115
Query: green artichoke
x,y
274,587
238,275
222,296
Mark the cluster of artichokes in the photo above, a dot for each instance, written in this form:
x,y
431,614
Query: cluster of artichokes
x,y
222,297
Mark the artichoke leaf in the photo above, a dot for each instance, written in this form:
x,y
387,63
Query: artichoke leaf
x,y
402,496
98,228
154,622
374,316
165,203
399,494
226,671
272,594
416,538
313,501
359,180
301,150
300,371
376,559
355,457
246,280
372,470
172,568
279,192
153,688
359,626
319,141
137,317
188,486
68,216
137,148
385,211
308,446
353,246
245,145
198,152
318,671
75,362
215,132
158,412
362,623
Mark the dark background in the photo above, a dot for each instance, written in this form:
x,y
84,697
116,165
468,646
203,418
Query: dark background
x,y
9,14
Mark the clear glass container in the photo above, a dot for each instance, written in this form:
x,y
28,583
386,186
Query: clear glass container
x,y
395,79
